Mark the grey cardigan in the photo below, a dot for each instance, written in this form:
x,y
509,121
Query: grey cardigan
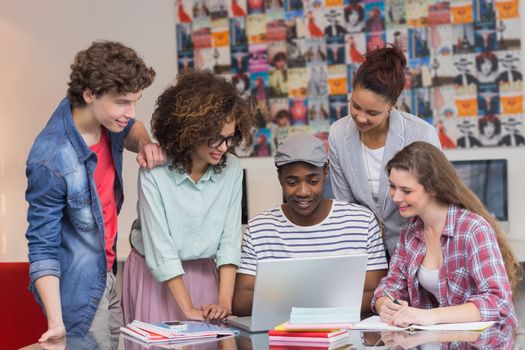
x,y
348,173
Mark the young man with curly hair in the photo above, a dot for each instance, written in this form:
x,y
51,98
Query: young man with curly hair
x,y
74,173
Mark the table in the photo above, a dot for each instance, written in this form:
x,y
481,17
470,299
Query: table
x,y
496,337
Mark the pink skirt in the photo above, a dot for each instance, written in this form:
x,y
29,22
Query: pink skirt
x,y
145,299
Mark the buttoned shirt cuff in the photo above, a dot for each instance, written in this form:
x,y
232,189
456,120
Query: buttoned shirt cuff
x,y
489,310
44,267
377,294
168,270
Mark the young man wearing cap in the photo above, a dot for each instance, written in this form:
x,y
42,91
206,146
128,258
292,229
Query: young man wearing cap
x,y
307,224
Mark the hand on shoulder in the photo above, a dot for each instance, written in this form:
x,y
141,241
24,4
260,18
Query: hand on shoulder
x,y
151,155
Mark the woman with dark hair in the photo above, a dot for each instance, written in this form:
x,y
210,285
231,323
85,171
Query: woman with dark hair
x,y
363,142
489,130
354,18
186,244
453,262
241,81
487,67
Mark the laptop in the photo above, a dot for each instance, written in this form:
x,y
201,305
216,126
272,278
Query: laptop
x,y
280,284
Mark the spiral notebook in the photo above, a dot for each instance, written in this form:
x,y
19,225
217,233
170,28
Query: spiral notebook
x,y
158,332
375,323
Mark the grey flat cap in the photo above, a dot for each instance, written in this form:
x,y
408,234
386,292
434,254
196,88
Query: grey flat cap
x,y
301,148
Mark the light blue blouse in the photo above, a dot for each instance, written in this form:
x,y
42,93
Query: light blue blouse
x,y
181,220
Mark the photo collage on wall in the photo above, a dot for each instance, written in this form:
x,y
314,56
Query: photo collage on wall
x,y
296,59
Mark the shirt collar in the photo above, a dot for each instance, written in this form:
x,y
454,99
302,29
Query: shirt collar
x,y
82,150
209,175
450,222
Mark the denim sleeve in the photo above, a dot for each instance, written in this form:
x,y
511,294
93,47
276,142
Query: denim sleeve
x,y
118,138
46,198
128,127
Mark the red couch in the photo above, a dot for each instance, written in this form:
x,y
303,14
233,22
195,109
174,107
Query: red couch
x,y
22,321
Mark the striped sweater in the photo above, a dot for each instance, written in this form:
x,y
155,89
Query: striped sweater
x,y
348,229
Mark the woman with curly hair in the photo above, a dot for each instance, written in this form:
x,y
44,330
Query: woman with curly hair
x,y
186,243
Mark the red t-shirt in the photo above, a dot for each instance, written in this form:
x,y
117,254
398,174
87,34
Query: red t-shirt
x,y
105,181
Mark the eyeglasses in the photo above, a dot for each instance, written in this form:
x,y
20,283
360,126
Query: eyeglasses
x,y
217,141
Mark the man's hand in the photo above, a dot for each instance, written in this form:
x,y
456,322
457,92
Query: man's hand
x,y
53,333
56,344
151,155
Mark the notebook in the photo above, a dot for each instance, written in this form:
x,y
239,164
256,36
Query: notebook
x,y
330,281
289,326
375,323
160,333
310,337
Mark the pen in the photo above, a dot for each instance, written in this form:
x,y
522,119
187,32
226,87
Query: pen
x,y
389,296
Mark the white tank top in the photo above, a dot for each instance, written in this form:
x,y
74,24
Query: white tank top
x,y
429,279
373,159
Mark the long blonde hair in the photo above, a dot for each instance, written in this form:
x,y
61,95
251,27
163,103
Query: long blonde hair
x,y
436,174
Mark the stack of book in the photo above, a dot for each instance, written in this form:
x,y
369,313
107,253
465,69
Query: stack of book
x,y
284,337
161,333
326,315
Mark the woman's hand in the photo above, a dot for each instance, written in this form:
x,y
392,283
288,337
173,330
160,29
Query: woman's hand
x,y
214,312
194,314
403,315
408,315
389,309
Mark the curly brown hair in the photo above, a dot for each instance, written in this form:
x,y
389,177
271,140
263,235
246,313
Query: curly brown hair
x,y
195,109
107,67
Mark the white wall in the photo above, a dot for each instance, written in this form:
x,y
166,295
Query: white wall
x,y
38,40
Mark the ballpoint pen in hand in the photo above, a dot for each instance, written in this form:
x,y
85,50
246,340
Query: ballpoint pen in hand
x,y
389,296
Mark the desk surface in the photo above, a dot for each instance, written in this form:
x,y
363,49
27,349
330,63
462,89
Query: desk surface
x,y
496,337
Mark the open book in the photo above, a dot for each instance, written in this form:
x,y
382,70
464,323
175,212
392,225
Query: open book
x,y
374,323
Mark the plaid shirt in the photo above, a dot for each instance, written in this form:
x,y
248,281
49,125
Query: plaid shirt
x,y
472,270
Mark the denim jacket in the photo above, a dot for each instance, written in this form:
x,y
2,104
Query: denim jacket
x,y
66,224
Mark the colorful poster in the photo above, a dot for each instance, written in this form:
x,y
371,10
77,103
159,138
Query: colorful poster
x,y
296,59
